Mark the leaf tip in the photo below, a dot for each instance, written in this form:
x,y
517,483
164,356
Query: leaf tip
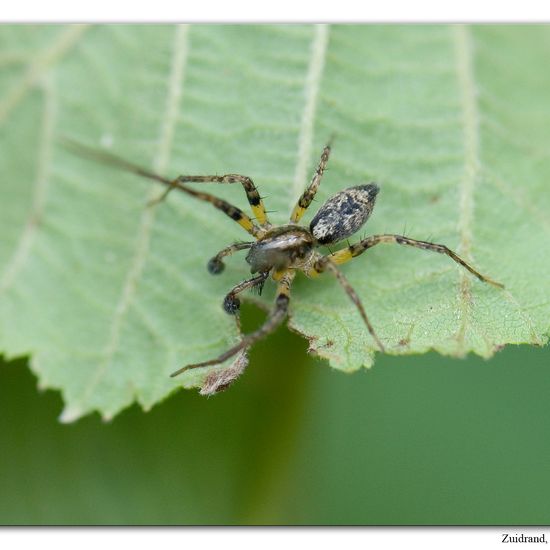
x,y
70,414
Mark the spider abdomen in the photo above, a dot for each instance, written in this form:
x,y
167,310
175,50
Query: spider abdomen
x,y
286,246
342,215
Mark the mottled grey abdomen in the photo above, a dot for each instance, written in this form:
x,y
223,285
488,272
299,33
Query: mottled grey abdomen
x,y
344,214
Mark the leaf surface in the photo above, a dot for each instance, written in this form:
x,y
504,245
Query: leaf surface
x,y
109,296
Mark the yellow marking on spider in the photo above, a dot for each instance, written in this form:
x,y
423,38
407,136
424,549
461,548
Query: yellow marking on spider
x,y
297,213
341,257
246,222
278,275
259,213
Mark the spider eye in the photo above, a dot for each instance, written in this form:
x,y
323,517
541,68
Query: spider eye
x,y
344,214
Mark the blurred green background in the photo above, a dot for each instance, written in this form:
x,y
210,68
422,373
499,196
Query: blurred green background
x,y
416,440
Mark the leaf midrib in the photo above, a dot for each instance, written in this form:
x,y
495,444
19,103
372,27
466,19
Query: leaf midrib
x,y
464,53
313,84
470,122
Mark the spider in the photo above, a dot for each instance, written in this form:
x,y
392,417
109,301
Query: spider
x,y
281,251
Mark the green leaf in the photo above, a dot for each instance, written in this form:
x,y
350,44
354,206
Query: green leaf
x,y
109,296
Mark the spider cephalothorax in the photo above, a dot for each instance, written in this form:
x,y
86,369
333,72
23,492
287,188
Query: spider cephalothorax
x,y
287,246
281,251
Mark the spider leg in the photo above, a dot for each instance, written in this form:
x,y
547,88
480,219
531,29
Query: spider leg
x,y
232,304
228,209
252,194
354,250
275,318
215,264
220,380
307,197
325,263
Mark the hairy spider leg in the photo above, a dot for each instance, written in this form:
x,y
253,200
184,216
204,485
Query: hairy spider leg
x,y
252,194
354,250
325,263
231,304
228,209
275,318
307,197
215,264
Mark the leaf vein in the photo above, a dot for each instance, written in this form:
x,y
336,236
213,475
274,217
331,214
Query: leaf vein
x,y
470,121
313,82
38,199
35,71
175,87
